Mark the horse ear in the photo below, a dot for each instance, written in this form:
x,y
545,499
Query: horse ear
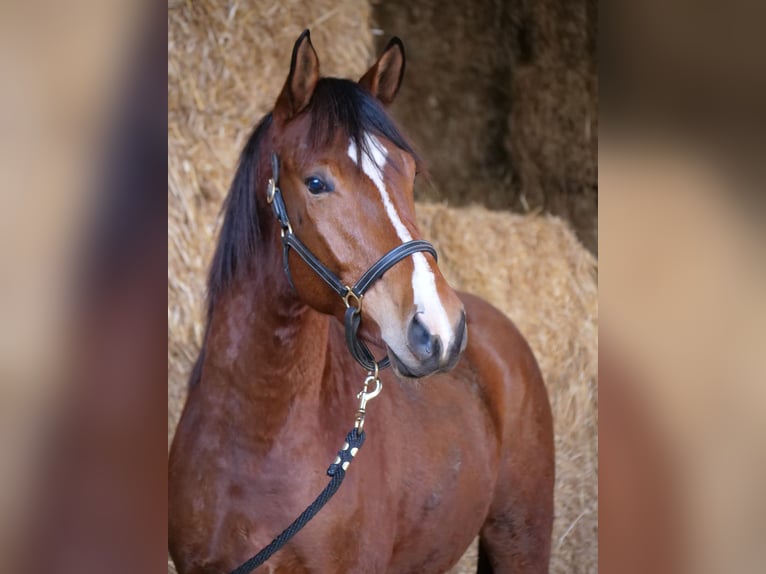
x,y
301,81
385,77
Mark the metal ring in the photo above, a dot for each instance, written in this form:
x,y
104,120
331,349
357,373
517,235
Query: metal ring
x,y
351,294
271,191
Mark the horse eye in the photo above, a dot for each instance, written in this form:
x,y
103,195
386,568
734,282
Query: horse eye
x,y
316,185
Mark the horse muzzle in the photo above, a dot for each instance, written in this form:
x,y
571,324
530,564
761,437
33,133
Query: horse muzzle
x,y
428,353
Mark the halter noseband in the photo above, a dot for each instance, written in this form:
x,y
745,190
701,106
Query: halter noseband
x,y
352,296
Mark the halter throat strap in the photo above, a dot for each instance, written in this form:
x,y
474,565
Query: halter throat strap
x,y
351,296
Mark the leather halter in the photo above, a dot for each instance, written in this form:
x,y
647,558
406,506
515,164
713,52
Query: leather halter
x,y
352,296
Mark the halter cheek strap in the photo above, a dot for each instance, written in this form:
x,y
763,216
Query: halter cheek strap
x,y
352,296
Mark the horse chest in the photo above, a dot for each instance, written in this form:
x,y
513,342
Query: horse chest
x,y
406,505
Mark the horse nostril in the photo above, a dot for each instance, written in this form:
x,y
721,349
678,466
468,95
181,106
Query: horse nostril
x,y
422,343
418,336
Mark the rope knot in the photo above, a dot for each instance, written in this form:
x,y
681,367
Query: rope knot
x,y
354,441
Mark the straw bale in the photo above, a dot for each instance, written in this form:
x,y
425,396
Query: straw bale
x,y
511,89
226,65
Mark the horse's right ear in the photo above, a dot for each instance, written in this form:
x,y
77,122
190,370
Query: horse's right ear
x,y
301,81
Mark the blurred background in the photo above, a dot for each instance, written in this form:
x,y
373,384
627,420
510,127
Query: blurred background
x,y
82,220
682,287
504,101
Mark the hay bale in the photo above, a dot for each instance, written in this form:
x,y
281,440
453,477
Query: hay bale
x,y
225,68
509,88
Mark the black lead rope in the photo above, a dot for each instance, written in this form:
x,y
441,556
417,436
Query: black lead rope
x,y
352,298
337,472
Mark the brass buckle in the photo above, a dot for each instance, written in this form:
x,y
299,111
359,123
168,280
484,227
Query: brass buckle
x,y
350,294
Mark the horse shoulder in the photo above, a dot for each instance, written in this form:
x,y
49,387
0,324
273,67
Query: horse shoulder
x,y
517,529
512,382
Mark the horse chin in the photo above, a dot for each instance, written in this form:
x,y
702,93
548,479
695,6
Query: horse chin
x,y
404,371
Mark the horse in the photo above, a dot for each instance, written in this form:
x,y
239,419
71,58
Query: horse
x,y
460,439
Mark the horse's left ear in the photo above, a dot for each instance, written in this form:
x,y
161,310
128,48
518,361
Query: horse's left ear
x,y
301,81
385,77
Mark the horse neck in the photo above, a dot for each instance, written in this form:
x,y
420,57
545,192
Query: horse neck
x,y
264,345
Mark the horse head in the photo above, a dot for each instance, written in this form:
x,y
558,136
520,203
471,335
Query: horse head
x,y
347,177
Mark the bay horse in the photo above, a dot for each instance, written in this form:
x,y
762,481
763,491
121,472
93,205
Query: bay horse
x,y
467,451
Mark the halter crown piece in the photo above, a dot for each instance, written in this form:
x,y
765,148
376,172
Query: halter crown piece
x,y
351,296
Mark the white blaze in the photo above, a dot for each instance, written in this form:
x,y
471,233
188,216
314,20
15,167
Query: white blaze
x,y
426,297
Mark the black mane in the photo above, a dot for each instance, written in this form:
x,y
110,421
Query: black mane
x,y
335,105
241,228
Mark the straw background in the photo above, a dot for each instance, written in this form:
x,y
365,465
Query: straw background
x,y
510,88
226,64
